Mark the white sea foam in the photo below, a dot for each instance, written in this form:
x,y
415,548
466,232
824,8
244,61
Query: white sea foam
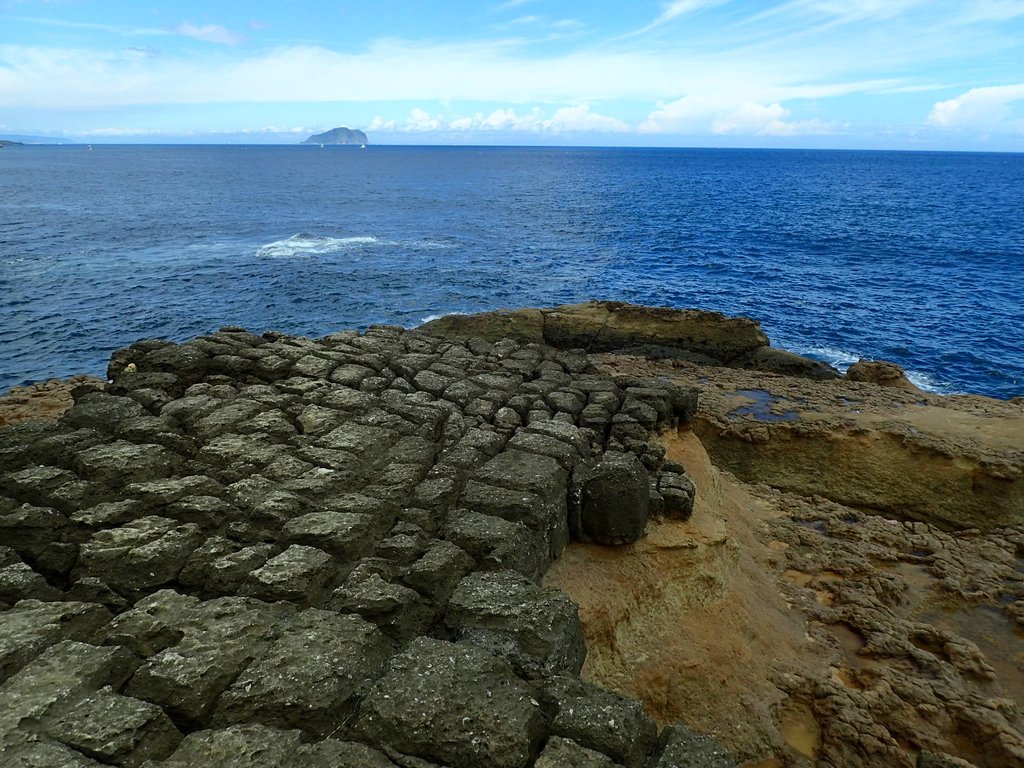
x,y
841,360
312,245
928,383
430,318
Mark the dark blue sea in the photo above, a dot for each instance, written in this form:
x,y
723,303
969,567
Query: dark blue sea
x,y
912,257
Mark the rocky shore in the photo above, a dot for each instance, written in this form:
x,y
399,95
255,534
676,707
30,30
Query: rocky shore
x,y
594,535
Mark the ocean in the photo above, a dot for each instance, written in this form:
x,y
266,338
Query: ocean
x,y
912,257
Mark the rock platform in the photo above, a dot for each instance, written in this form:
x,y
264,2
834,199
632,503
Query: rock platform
x,y
274,551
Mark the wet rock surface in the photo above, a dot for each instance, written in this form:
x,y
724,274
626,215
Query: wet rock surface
x,y
268,550
930,659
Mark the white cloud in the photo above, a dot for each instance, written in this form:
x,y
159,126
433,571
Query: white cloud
x,y
210,33
580,118
749,118
769,120
847,11
380,124
571,119
813,127
721,115
981,11
690,114
978,108
421,120
674,9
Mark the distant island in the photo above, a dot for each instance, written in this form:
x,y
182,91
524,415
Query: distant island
x,y
9,139
5,143
338,136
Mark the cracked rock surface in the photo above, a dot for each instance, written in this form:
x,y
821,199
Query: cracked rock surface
x,y
275,551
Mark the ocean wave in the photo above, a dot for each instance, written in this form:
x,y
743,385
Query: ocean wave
x,y
304,244
842,359
928,383
839,359
431,318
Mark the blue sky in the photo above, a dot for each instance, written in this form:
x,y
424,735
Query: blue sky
x,y
905,74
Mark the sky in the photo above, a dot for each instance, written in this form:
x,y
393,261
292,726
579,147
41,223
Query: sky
x,y
875,74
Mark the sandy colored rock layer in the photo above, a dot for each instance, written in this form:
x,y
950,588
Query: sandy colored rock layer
x,y
44,400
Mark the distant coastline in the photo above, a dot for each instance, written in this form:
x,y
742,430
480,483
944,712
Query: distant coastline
x,y
16,139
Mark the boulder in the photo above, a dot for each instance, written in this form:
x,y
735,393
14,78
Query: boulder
x,y
881,372
496,723
495,543
140,556
566,753
682,748
599,719
240,746
218,640
298,573
31,626
677,492
310,677
116,729
609,500
536,630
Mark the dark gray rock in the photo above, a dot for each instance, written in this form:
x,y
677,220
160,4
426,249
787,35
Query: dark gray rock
x,y
53,683
101,412
564,453
599,719
682,748
40,754
436,573
220,566
310,677
678,493
30,529
299,573
239,746
109,514
497,722
346,535
31,626
566,753
116,729
119,463
219,639
141,555
169,490
19,582
536,630
609,500
495,543
371,592
787,363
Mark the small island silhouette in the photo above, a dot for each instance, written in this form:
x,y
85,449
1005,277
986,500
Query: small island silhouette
x,y
338,136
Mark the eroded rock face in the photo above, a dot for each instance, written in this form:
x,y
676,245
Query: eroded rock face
x,y
600,326
265,550
657,332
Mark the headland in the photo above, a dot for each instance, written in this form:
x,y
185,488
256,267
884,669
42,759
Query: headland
x,y
590,535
